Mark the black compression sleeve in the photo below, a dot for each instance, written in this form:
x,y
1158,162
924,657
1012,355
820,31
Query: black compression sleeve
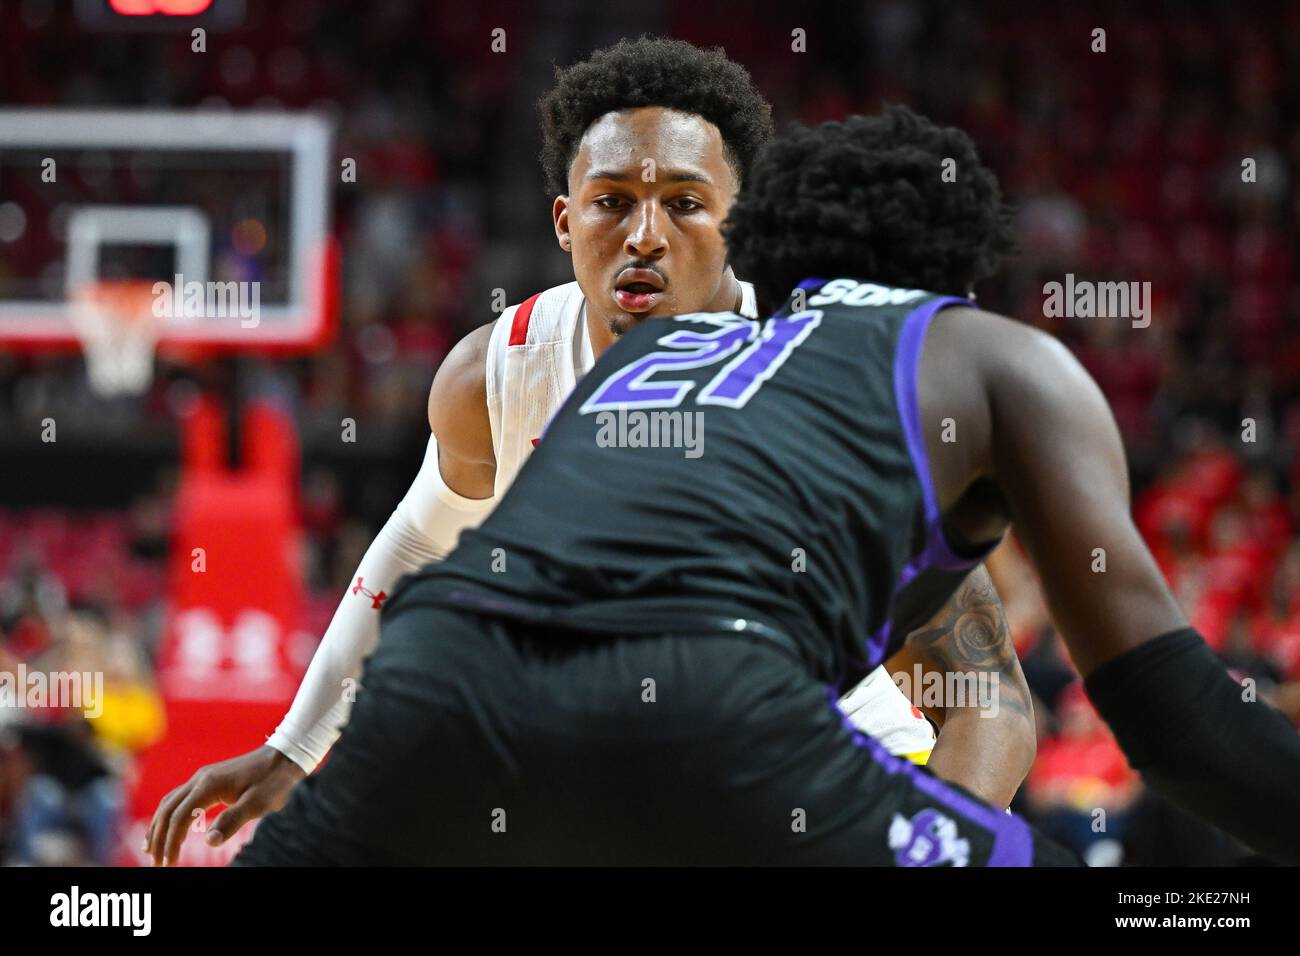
x,y
1184,726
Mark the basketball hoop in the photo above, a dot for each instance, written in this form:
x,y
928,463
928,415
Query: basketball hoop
x,y
119,332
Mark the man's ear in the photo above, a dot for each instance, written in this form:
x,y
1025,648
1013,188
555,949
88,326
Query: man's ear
x,y
560,214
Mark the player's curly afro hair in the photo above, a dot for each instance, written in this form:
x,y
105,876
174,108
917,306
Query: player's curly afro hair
x,y
652,72
866,197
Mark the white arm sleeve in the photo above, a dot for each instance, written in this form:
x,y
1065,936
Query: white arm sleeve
x,y
424,527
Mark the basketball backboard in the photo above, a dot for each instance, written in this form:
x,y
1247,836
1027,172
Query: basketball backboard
x,y
230,209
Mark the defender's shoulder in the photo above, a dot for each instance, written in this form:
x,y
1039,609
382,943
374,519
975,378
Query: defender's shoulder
x,y
998,344
458,412
1022,372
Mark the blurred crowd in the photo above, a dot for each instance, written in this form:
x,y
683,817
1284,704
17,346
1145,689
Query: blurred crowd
x,y
1123,165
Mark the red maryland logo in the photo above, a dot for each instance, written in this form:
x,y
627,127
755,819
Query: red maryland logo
x,y
375,599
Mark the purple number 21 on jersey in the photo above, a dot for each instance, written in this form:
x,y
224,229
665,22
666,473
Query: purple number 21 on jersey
x,y
756,350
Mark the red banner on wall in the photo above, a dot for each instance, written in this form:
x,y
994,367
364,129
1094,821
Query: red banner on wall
x,y
227,671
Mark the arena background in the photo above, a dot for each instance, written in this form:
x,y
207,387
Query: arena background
x,y
1123,165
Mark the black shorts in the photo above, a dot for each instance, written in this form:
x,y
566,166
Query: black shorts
x,y
475,740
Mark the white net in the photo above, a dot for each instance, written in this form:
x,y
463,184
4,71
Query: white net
x,y
119,333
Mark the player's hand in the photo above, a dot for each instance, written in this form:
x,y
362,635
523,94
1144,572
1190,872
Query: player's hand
x,y
251,785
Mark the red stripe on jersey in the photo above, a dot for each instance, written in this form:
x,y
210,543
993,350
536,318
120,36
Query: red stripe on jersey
x,y
519,327
535,441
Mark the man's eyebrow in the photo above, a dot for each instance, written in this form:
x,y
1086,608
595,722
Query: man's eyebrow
x,y
672,176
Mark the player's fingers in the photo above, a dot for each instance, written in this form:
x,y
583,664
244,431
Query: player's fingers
x,y
182,818
153,839
232,819
147,843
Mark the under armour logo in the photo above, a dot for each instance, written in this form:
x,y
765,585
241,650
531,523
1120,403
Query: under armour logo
x,y
375,599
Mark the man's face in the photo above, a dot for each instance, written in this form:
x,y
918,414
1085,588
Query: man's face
x,y
648,191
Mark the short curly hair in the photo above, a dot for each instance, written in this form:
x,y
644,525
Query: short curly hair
x,y
652,72
867,197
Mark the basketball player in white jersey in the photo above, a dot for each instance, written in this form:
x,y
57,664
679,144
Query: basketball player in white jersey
x,y
645,145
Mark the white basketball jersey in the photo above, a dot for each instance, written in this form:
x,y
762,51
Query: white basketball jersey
x,y
538,351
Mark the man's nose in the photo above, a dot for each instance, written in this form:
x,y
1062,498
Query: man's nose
x,y
648,239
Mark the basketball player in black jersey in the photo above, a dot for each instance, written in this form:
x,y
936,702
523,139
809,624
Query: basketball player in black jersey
x,y
656,683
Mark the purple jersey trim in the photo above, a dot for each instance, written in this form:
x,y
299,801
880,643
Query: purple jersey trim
x,y
1013,842
907,366
938,552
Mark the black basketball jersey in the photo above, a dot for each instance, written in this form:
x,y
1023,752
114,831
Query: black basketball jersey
x,y
714,472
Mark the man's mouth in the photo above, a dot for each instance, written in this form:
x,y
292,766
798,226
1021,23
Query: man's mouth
x,y
638,290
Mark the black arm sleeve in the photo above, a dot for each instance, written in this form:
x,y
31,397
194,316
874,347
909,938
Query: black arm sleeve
x,y
1184,726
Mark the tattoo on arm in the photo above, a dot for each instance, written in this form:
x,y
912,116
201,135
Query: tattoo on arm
x,y
970,634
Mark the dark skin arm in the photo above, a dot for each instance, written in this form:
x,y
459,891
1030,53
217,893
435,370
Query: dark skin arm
x,y
1037,443
458,417
1041,433
989,751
